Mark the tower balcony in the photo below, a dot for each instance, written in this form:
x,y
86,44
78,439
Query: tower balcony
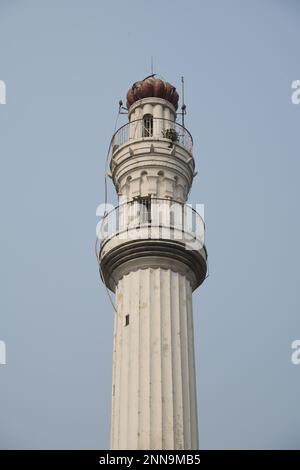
x,y
156,147
152,128
152,232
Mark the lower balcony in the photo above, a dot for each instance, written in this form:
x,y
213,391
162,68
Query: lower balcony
x,y
152,232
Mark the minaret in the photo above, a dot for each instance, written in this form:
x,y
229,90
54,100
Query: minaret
x,y
152,257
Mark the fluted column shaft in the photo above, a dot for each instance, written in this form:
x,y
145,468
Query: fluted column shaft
x,y
154,389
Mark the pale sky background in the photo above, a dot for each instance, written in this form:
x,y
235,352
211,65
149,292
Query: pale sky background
x,y
66,64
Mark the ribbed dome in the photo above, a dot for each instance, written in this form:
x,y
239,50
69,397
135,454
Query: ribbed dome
x,y
152,86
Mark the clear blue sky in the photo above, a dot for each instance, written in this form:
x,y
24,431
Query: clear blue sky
x,y
66,64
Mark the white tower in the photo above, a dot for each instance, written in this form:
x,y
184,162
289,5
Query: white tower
x,y
153,256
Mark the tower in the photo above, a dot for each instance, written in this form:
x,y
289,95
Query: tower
x,y
152,256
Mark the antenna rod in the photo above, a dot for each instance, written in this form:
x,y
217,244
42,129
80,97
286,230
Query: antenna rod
x,y
183,107
152,65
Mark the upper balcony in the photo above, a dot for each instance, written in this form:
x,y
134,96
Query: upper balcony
x,y
152,128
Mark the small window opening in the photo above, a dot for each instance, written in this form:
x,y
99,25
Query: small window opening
x,y
148,125
145,210
126,320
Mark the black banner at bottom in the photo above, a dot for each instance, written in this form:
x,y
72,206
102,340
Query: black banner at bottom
x,y
137,459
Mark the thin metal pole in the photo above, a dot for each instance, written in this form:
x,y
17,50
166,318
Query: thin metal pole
x,y
182,97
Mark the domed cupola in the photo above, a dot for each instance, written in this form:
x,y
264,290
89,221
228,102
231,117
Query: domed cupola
x,y
152,87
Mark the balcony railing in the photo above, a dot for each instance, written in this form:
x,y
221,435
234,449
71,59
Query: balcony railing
x,y
154,218
157,128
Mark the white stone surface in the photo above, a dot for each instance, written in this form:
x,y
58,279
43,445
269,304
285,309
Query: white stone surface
x,y
158,107
150,166
154,390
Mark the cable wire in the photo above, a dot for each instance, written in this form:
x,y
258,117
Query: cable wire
x,y
97,248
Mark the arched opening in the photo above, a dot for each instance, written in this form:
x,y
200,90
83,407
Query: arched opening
x,y
148,125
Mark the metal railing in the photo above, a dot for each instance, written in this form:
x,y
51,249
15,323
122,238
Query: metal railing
x,y
158,128
154,218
